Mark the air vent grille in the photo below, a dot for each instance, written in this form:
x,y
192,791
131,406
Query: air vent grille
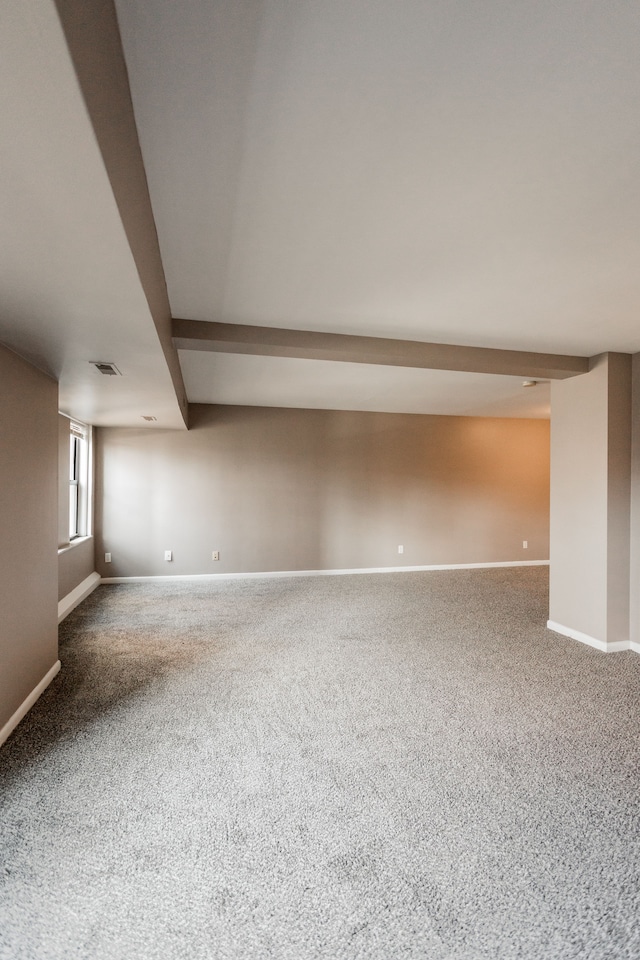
x,y
106,368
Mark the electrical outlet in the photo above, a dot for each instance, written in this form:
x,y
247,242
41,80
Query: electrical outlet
x,y
215,555
525,544
400,548
168,555
107,558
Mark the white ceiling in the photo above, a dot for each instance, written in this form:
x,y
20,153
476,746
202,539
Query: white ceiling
x,y
454,172
281,381
458,172
69,292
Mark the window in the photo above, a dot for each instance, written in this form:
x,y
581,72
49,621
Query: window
x,y
79,479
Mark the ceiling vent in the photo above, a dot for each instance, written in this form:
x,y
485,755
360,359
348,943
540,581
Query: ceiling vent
x,y
107,369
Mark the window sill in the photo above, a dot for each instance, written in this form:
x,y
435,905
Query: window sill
x,y
74,543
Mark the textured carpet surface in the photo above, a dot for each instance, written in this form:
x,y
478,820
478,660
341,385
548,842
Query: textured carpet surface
x,y
379,766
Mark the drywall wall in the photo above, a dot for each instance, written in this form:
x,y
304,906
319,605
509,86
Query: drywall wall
x,y
75,564
29,524
618,496
283,489
634,575
590,500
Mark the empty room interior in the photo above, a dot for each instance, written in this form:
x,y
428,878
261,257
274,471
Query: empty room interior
x,y
319,480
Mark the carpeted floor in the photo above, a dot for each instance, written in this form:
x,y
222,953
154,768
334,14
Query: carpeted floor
x,y
379,766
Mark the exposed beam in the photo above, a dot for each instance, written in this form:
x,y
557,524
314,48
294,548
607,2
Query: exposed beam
x,y
93,38
311,345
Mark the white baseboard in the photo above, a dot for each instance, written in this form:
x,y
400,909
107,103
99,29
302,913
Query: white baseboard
x,y
329,573
615,646
26,705
81,592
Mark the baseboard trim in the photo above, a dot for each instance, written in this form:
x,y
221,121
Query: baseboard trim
x,y
26,705
329,573
615,646
80,593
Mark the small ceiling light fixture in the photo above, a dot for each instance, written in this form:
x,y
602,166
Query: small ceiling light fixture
x,y
149,419
529,383
105,367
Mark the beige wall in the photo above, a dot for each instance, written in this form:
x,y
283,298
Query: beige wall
x,y
29,525
75,564
590,500
277,489
618,496
635,503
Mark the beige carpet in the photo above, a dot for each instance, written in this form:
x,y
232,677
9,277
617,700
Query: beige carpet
x,y
384,766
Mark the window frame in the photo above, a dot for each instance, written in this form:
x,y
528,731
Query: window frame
x,y
80,480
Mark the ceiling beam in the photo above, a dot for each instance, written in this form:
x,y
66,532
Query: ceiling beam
x,y
93,38
312,345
